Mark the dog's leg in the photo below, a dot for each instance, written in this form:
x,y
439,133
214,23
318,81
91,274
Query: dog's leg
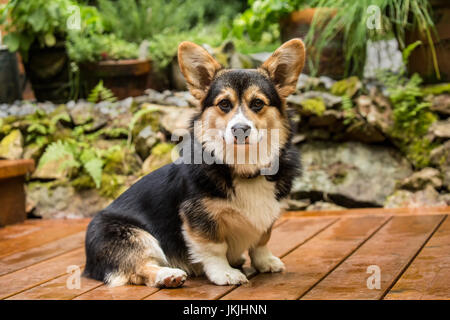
x,y
262,258
119,253
236,261
154,275
213,257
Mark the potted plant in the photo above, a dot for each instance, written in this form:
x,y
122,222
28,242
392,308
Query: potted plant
x,y
37,30
116,62
336,32
432,59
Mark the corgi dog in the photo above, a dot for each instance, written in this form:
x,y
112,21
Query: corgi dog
x,y
200,218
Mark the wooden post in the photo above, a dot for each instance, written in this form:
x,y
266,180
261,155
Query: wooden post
x,y
12,192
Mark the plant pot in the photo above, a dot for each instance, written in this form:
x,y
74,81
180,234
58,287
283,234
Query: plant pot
x,y
421,59
331,61
125,78
48,71
10,89
12,192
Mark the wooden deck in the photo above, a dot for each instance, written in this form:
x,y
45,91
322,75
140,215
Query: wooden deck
x,y
327,256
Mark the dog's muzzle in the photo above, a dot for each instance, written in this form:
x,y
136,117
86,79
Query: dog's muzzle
x,y
241,133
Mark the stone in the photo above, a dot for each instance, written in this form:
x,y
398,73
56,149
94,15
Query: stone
x,y
324,206
379,115
328,118
445,170
50,201
421,179
441,104
306,83
428,197
347,87
174,118
145,141
53,169
160,155
440,156
351,174
440,129
329,99
293,204
82,113
11,146
364,132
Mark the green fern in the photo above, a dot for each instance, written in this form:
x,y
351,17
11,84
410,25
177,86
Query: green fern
x,y
94,168
347,107
61,151
101,93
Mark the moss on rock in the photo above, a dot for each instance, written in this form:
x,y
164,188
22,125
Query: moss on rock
x,y
314,105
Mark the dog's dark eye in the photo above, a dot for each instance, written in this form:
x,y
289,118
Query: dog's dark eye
x,y
225,105
256,105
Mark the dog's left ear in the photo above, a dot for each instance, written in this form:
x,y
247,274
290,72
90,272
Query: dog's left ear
x,y
198,67
284,66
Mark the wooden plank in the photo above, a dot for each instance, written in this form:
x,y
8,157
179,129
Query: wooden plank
x,y
139,292
15,168
309,263
428,276
27,278
128,292
34,255
369,211
57,289
285,238
391,249
48,231
21,229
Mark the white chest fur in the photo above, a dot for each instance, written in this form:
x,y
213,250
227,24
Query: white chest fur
x,y
255,200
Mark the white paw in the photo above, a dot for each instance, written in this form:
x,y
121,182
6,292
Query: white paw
x,y
268,264
170,277
227,277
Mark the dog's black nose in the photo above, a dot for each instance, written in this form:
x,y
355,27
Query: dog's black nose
x,y
241,132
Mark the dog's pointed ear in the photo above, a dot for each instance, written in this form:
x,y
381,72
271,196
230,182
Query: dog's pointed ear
x,y
284,66
198,67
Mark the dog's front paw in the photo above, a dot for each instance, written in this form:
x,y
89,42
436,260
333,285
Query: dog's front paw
x,y
268,263
228,276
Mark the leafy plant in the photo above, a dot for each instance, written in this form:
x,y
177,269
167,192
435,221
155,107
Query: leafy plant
x,y
83,47
72,155
411,114
101,93
263,15
148,18
39,21
350,19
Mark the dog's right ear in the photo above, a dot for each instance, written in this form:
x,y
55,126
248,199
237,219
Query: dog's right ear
x,y
198,68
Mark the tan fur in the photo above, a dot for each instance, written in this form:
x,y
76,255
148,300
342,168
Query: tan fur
x,y
285,65
198,68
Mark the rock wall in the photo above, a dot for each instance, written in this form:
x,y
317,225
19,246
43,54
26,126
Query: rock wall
x,y
352,152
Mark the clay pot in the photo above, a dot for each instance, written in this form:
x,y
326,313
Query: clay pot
x,y
421,59
125,78
331,60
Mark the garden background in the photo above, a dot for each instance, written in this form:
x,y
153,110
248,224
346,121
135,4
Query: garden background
x,y
91,91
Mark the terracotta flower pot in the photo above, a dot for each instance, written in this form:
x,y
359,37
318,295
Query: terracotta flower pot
x,y
421,59
125,78
331,60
